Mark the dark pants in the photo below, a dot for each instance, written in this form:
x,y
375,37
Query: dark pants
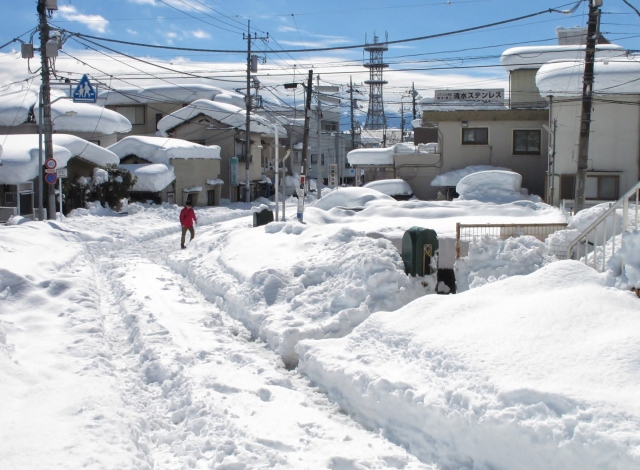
x,y
184,234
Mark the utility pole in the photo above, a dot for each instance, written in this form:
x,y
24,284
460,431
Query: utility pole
x,y
247,143
252,66
413,96
319,156
307,115
353,131
45,106
401,120
587,102
553,163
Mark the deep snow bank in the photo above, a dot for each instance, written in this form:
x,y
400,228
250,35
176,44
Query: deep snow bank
x,y
316,282
527,373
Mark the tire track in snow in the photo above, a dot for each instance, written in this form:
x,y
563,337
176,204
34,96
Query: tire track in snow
x,y
204,393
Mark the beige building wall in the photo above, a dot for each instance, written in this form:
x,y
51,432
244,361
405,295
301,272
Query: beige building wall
x,y
523,89
194,172
497,152
144,117
419,170
227,138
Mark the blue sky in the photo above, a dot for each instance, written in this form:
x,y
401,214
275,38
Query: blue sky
x,y
468,60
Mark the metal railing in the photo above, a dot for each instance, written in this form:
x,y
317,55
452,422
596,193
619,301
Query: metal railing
x,y
468,233
602,239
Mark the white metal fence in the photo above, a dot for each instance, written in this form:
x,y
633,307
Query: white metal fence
x,y
469,233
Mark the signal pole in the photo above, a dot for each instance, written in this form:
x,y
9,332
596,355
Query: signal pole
x,y
587,100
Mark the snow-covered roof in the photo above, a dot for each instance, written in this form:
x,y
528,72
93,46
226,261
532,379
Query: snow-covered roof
x,y
152,177
162,149
289,121
383,156
534,57
15,106
21,158
372,156
228,114
610,76
168,94
86,150
451,178
87,118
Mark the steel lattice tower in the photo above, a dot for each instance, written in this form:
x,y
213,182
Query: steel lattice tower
x,y
375,114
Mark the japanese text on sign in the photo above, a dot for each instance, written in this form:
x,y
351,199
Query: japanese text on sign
x,y
494,95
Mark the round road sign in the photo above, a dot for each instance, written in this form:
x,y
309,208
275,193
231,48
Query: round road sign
x,y
50,163
51,178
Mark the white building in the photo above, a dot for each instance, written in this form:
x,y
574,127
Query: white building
x,y
614,140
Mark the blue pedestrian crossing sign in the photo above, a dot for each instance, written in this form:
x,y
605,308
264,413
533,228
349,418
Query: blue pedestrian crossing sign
x,y
84,92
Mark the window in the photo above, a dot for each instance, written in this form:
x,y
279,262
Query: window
x,y
314,159
135,114
158,118
241,151
598,187
475,136
602,187
526,142
567,186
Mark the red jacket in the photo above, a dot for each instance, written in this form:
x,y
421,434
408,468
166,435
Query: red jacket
x,y
187,217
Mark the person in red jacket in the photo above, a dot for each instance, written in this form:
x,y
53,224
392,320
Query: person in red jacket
x,y
187,218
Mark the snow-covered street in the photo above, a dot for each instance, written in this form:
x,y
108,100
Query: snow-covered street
x,y
302,346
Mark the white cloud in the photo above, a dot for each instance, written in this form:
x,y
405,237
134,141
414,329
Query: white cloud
x,y
181,4
96,23
201,34
144,2
286,29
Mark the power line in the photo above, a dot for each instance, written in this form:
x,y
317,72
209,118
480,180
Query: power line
x,y
336,48
200,19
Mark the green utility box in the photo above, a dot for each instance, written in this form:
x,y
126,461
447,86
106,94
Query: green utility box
x,y
419,246
262,217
